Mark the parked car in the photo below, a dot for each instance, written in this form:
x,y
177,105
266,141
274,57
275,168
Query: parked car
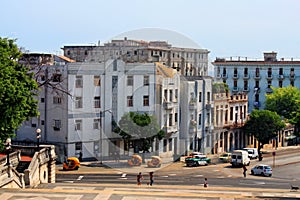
x,y
195,161
252,152
261,169
225,157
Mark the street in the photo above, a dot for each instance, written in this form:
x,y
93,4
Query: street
x,y
285,173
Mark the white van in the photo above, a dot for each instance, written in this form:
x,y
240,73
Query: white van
x,y
253,153
239,158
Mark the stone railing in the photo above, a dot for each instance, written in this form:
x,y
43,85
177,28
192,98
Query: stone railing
x,y
41,168
9,177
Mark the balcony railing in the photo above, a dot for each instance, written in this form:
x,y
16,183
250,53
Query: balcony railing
x,y
246,76
168,105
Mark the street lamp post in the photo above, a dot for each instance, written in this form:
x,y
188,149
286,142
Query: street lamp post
x,y
8,148
38,136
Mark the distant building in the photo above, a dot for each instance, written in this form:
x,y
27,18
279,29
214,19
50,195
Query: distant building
x,y
255,77
187,61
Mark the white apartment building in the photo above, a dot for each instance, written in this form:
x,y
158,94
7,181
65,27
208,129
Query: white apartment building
x,y
80,119
187,61
196,118
255,77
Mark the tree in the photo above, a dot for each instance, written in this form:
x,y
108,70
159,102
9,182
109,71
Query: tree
x,y
286,102
142,128
17,90
263,125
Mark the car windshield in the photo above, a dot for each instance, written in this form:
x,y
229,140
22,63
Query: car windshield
x,y
267,167
225,155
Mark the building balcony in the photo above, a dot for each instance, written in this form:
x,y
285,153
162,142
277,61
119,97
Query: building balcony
x,y
218,76
246,89
235,76
209,106
192,105
168,105
257,76
235,89
192,129
171,129
280,77
269,90
246,76
209,128
269,77
224,76
256,104
292,76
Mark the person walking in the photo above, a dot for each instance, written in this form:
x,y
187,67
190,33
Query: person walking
x,y
244,171
151,178
139,178
205,184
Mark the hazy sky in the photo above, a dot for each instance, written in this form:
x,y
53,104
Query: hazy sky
x,y
224,27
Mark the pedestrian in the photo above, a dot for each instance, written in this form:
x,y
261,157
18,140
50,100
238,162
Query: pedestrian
x,y
151,178
205,182
244,170
139,178
80,156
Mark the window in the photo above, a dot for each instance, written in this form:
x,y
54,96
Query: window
x,y
56,100
97,103
280,84
208,97
78,102
170,144
78,146
170,120
165,145
199,119
78,124
96,124
292,83
129,101
115,65
165,95
97,80
257,72
42,100
200,96
56,78
129,80
42,122
171,96
78,82
176,118
146,80
269,72
56,124
146,100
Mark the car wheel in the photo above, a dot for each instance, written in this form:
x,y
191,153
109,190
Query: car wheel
x,y
252,172
270,175
262,174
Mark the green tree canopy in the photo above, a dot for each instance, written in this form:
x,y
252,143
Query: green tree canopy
x,y
17,90
137,126
286,102
263,125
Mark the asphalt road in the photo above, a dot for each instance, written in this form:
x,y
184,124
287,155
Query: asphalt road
x,y
285,173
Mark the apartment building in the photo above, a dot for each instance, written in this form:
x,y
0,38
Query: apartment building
x,y
187,61
196,120
256,77
77,116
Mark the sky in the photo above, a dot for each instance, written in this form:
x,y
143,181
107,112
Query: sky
x,y
226,28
